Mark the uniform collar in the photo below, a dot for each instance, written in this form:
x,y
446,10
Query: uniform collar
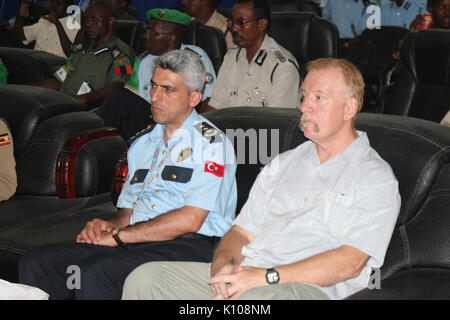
x,y
260,55
157,134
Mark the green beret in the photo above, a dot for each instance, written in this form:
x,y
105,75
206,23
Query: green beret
x,y
169,15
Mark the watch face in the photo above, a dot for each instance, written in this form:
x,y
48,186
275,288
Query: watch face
x,y
272,277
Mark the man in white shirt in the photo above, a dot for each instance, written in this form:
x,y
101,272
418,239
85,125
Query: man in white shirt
x,y
53,33
317,220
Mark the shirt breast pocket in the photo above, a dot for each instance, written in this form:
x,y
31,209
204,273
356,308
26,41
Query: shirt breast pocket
x,y
337,214
177,174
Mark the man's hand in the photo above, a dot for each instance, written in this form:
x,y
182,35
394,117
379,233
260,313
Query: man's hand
x,y
93,232
232,281
51,17
82,100
417,22
24,10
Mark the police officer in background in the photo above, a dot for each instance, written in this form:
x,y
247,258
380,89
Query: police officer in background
x,y
401,13
99,62
179,197
128,108
257,72
8,177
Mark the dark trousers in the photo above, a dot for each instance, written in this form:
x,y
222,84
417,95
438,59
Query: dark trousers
x,y
126,111
102,270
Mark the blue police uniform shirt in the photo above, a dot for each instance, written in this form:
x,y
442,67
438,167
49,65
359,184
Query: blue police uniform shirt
x,y
145,72
403,16
346,14
197,168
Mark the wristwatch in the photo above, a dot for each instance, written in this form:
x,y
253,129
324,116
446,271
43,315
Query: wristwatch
x,y
272,276
115,235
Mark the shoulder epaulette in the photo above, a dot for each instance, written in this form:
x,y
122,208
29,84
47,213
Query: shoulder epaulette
x,y
141,133
115,52
208,132
191,50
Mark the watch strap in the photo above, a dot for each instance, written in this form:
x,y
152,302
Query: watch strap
x,y
115,235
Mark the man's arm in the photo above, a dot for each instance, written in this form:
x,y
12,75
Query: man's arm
x,y
92,232
227,257
162,228
8,177
324,269
97,95
63,38
24,12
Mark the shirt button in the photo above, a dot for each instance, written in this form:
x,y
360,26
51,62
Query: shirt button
x,y
174,176
164,153
153,206
249,100
157,175
249,73
157,191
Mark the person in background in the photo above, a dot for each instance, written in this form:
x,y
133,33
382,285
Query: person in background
x,y
98,64
440,12
257,72
128,108
8,176
205,12
53,33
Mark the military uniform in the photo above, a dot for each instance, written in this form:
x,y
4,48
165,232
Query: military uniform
x,y
271,79
89,69
196,168
8,177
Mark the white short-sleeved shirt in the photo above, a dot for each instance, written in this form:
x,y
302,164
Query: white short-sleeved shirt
x,y
298,208
46,35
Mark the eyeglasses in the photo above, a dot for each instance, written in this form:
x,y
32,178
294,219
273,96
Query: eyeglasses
x,y
152,33
240,22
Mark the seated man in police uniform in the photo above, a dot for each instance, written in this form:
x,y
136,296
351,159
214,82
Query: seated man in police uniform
x,y
257,72
129,110
178,199
8,176
99,62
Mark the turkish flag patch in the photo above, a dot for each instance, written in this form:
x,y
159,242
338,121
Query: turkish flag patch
x,y
214,168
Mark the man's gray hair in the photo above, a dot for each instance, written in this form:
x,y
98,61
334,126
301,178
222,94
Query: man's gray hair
x,y
186,64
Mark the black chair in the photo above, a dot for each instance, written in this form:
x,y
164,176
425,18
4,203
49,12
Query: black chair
x,y
130,31
422,87
305,35
372,54
209,39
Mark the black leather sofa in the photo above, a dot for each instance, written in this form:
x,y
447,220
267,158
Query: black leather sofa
x,y
65,161
417,264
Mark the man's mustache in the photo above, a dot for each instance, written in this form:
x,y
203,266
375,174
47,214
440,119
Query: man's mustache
x,y
237,36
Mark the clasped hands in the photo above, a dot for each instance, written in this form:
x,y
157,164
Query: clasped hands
x,y
98,232
232,281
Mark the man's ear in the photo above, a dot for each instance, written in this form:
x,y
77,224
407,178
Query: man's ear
x,y
262,24
111,23
195,98
351,108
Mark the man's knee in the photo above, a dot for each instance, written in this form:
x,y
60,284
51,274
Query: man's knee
x,y
141,282
285,291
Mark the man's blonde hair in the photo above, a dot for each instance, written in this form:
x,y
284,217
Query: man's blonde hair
x,y
351,74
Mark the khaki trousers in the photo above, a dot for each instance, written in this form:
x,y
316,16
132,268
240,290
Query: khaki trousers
x,y
189,281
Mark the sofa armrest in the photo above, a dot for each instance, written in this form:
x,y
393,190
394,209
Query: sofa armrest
x,y
411,284
81,164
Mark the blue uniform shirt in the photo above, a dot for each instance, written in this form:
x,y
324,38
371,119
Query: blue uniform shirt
x,y
393,15
197,168
346,14
145,72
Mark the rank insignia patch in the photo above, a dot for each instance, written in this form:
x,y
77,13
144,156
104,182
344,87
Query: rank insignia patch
x,y
4,139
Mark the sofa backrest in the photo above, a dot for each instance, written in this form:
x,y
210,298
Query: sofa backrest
x,y
417,150
26,107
